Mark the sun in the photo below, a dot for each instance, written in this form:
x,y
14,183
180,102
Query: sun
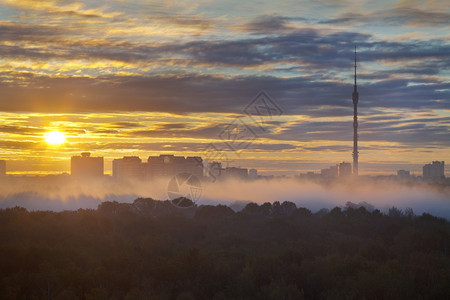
x,y
55,137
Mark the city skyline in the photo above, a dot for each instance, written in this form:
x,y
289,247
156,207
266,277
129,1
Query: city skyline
x,y
86,167
153,78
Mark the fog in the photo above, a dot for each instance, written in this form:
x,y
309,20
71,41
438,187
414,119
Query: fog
x,y
382,195
62,193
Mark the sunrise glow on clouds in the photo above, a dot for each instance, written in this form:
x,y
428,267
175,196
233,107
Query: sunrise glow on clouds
x,y
149,77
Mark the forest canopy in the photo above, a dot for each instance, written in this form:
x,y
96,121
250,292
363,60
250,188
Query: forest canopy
x,y
153,249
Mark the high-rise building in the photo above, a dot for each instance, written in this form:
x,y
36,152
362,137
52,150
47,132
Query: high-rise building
x,y
345,169
2,168
236,173
170,165
331,172
252,174
129,168
403,174
194,166
85,166
434,171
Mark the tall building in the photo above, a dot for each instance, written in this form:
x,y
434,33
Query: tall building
x,y
403,174
85,166
170,165
129,168
2,168
355,98
434,171
331,172
194,166
345,169
236,173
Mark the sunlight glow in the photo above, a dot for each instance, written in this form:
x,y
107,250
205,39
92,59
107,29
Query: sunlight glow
x,y
55,137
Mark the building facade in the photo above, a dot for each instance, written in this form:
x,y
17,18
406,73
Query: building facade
x,y
86,166
345,170
235,173
403,174
164,166
331,172
129,168
434,171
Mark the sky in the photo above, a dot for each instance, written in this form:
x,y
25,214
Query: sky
x,y
257,84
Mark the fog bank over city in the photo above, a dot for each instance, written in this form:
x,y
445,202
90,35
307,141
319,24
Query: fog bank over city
x,y
63,193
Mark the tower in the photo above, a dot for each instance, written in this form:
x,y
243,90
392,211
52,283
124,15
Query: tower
x,y
355,97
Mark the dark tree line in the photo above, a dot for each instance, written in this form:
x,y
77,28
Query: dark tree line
x,y
153,250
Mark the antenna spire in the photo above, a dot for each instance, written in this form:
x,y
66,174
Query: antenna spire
x,y
355,98
355,65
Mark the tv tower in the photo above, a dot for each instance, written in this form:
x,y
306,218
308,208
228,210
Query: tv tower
x,y
355,97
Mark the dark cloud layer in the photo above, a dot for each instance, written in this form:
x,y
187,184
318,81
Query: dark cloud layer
x,y
191,93
266,24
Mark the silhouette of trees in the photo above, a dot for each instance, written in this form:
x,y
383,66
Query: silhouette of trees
x,y
153,249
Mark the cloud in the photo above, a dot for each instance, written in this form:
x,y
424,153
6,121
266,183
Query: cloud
x,y
304,47
195,22
123,125
18,145
21,130
420,133
398,15
198,147
266,24
172,126
414,17
46,42
59,7
194,93
14,31
334,148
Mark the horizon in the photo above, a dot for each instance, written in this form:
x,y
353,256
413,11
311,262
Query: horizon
x,y
415,170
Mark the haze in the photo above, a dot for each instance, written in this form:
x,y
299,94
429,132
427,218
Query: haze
x,y
382,195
